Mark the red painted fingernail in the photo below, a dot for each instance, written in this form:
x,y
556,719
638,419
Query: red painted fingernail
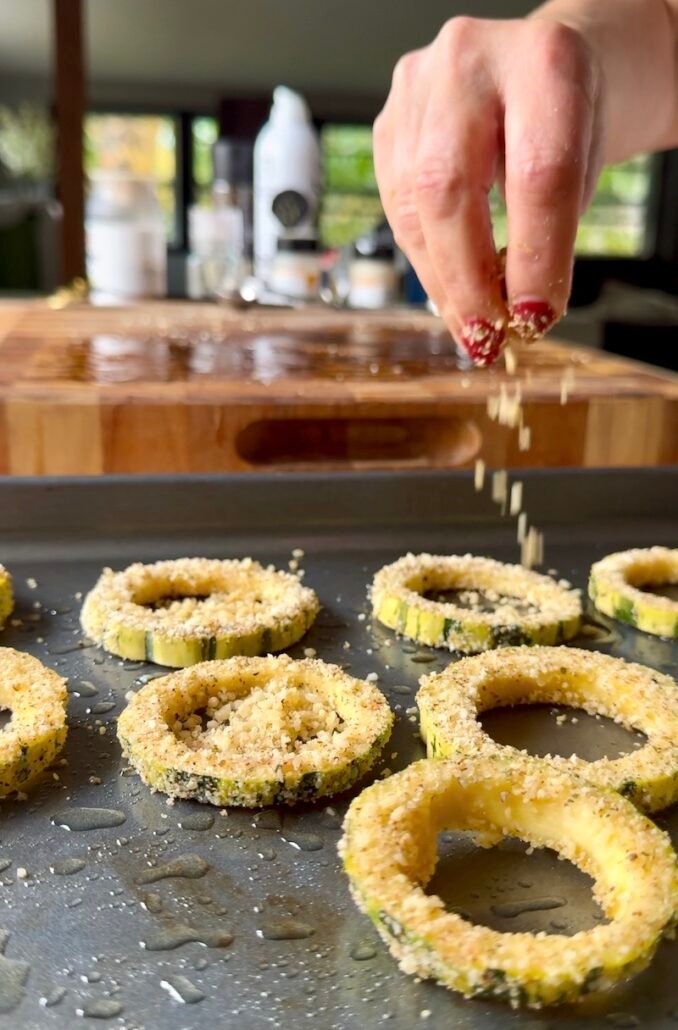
x,y
483,340
531,318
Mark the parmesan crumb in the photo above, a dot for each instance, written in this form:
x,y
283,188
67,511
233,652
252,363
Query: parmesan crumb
x,y
516,498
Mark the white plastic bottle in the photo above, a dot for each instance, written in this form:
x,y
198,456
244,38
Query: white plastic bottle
x,y
287,176
126,242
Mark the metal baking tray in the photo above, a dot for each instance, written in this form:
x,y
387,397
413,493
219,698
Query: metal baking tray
x,y
94,930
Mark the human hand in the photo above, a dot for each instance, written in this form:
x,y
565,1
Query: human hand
x,y
520,103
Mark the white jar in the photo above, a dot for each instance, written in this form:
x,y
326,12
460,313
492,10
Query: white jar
x,y
295,270
125,235
373,280
287,177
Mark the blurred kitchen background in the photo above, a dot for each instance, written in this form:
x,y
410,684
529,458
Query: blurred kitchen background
x,y
172,96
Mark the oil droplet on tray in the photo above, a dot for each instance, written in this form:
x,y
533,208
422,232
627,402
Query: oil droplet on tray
x,y
89,818
363,951
197,821
181,989
173,937
102,1008
305,841
191,867
82,689
152,902
53,997
511,909
67,866
13,976
285,930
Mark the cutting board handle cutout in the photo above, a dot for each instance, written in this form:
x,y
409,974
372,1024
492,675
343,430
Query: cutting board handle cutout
x,y
350,443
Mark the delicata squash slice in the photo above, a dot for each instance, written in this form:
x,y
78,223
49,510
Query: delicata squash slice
x,y
633,695
6,595
255,731
389,850
616,582
525,607
177,613
36,733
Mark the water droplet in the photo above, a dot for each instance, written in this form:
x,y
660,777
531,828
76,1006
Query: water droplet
x,y
152,902
53,997
192,867
102,1008
284,930
197,821
423,659
305,841
267,854
363,951
181,989
101,707
93,977
511,909
67,866
268,820
89,818
13,976
147,677
622,1019
80,645
82,689
401,689
174,936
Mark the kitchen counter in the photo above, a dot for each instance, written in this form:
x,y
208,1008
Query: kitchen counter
x,y
182,387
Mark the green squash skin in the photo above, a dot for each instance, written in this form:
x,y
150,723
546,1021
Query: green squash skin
x,y
223,791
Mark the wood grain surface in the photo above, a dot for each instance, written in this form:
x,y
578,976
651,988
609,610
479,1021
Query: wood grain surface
x,y
179,387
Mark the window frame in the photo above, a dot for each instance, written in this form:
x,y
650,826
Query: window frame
x,y
656,267
183,184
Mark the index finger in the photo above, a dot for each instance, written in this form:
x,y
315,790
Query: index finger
x,y
455,168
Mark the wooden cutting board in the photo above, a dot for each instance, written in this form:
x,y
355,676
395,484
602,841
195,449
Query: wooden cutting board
x,y
180,387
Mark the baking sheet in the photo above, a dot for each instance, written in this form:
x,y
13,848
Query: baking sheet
x,y
83,938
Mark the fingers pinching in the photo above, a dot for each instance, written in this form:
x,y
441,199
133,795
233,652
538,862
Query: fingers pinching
x,y
548,138
454,169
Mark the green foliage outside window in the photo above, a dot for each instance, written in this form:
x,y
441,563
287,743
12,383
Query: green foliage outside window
x,y
615,223
205,132
350,205
143,145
